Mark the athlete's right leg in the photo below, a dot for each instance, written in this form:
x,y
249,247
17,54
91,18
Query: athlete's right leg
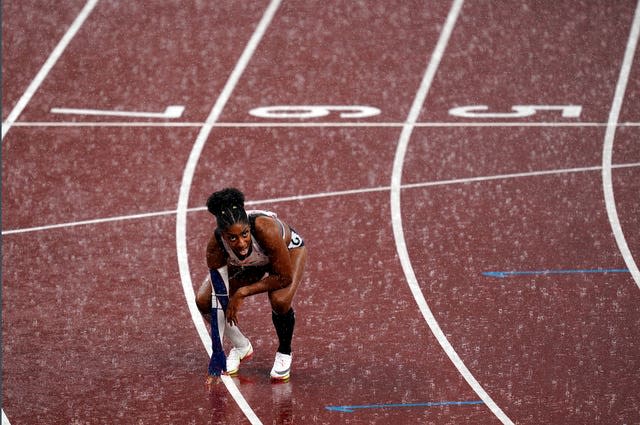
x,y
242,349
203,297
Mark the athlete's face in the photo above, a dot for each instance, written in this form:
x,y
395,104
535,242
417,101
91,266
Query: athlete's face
x,y
238,236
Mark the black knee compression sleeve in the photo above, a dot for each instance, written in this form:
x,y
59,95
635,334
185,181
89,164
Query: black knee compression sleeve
x,y
284,324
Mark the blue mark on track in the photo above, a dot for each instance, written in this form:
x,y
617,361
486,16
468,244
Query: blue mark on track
x,y
351,409
547,272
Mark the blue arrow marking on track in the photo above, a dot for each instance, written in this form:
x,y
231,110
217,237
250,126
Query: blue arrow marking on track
x,y
545,272
351,409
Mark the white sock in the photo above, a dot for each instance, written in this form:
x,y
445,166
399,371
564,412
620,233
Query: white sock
x,y
237,338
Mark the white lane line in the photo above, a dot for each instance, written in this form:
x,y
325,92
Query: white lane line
x,y
5,420
185,188
607,152
48,65
325,195
515,175
396,215
87,222
381,124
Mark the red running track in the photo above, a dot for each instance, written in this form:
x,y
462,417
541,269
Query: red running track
x,y
96,327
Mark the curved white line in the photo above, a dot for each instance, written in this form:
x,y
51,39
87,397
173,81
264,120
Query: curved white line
x,y
185,188
396,215
607,150
48,65
5,420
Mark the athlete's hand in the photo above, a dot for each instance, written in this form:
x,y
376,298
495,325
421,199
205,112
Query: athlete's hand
x,y
232,309
210,381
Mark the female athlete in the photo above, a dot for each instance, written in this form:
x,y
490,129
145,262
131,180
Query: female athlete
x,y
250,252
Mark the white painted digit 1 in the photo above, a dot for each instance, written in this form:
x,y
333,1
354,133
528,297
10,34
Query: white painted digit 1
x,y
519,111
313,111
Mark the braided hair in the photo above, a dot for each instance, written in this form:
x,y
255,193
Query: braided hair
x,y
227,205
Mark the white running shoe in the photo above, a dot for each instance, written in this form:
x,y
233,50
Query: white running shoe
x,y
237,355
281,369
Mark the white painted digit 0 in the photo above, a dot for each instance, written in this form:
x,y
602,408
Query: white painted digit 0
x,y
519,111
313,111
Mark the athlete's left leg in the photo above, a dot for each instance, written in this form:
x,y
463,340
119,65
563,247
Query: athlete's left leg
x,y
283,316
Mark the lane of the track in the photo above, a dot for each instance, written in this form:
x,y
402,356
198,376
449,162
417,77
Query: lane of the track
x,y
466,152
294,161
541,223
533,53
29,34
349,162
150,57
341,54
556,338
60,175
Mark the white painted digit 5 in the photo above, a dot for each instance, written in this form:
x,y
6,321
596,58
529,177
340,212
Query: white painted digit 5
x,y
519,111
313,111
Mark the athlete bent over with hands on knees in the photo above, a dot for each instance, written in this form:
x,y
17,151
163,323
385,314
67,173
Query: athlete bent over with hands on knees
x,y
250,252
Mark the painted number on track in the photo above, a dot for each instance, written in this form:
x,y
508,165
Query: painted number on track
x,y
313,111
518,111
